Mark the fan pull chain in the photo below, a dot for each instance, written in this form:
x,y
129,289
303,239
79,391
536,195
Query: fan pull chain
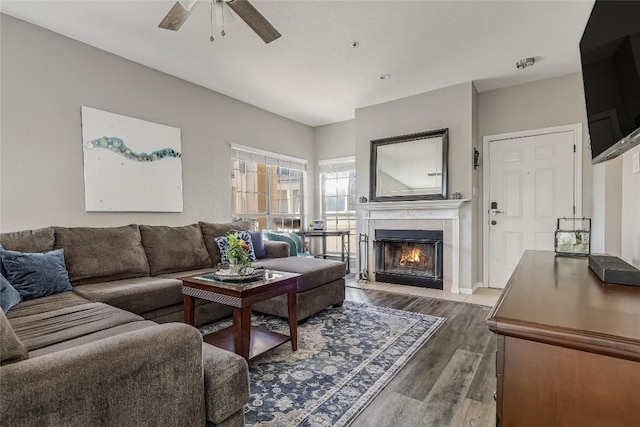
x,y
211,39
222,11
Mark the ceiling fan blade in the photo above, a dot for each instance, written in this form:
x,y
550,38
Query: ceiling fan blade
x,y
176,16
255,20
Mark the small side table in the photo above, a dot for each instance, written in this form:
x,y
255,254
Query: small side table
x,y
242,338
329,233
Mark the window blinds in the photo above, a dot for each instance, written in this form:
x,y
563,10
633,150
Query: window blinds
x,y
255,155
343,164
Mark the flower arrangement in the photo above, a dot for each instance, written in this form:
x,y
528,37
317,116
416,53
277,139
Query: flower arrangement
x,y
238,253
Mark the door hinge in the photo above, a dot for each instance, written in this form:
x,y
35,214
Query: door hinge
x,y
574,210
574,148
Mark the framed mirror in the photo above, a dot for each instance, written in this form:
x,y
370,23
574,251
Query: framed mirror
x,y
409,167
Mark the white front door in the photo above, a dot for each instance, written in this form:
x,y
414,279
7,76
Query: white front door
x,y
532,183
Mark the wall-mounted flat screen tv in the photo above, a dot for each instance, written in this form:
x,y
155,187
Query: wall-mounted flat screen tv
x,y
610,54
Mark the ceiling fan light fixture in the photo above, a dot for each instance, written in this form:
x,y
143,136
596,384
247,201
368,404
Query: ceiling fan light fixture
x,y
187,4
525,63
222,13
243,8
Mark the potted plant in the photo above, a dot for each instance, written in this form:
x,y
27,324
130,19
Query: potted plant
x,y
238,253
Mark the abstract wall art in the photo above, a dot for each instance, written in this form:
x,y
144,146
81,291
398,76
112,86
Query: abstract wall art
x,y
130,165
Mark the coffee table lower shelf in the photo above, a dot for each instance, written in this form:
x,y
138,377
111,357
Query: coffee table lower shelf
x,y
261,341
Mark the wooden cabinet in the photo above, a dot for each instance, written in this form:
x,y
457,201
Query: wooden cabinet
x,y
568,346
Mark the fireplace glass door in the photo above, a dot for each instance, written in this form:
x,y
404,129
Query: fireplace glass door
x,y
409,257
417,259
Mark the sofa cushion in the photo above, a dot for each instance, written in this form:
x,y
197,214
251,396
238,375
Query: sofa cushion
x,y
9,297
276,249
40,240
315,272
48,303
172,249
309,302
210,231
137,295
226,383
281,237
206,312
52,327
100,254
36,275
95,336
11,348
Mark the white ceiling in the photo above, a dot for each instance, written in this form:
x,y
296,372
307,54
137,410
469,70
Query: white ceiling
x,y
311,74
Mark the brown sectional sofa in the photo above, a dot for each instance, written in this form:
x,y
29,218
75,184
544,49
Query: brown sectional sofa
x,y
95,355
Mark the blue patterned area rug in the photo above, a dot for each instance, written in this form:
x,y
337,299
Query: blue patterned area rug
x,y
345,357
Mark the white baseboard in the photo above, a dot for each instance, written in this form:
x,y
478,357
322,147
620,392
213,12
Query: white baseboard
x,y
471,291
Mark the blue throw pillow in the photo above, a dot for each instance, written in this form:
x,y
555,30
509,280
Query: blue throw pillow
x,y
8,295
36,275
3,272
258,244
223,246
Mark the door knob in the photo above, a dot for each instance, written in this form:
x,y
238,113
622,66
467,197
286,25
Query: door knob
x,y
494,222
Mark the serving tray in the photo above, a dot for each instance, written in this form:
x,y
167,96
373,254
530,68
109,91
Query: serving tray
x,y
227,276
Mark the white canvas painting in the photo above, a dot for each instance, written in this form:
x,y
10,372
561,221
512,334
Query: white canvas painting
x,y
130,165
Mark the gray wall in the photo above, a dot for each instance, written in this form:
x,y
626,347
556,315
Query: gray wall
x,y
607,207
476,200
630,225
546,103
46,77
610,191
449,107
336,140
333,141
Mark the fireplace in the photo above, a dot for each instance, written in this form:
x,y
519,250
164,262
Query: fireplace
x,y
409,257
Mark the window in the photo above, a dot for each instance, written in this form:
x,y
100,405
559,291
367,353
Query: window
x,y
338,185
267,188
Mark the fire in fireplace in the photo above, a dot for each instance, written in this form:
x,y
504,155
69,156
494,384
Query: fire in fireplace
x,y
409,257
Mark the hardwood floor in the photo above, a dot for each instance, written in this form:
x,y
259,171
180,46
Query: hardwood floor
x,y
450,381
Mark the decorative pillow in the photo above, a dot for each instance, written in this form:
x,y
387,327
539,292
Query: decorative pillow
x,y
3,272
223,245
36,275
258,244
8,295
211,230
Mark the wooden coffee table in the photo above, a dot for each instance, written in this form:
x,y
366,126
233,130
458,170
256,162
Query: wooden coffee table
x,y
242,338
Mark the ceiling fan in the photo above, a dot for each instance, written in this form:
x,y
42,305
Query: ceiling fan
x,y
245,10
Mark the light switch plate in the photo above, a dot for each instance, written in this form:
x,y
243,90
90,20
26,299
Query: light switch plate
x,y
635,163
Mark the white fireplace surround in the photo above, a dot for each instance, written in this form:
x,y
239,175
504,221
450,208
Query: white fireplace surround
x,y
415,215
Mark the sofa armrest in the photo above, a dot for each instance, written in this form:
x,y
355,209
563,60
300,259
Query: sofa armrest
x,y
226,383
276,249
152,376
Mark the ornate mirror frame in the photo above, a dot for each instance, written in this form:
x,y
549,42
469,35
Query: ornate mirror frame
x,y
432,146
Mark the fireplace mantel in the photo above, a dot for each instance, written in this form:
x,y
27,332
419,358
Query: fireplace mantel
x,y
418,204
422,209
411,215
